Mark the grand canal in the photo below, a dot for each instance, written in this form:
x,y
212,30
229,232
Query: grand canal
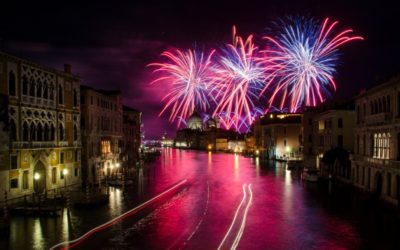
x,y
228,201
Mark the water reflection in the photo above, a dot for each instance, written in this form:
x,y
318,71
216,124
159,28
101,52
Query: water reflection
x,y
284,214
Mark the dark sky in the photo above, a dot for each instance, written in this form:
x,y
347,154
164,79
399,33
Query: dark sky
x,y
109,44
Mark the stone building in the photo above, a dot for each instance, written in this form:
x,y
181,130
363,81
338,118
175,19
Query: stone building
x,y
101,126
40,132
376,161
328,131
278,136
131,141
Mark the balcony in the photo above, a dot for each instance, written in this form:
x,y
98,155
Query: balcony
x,y
380,118
63,144
35,144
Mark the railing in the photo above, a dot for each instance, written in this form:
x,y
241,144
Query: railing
x,y
35,144
63,144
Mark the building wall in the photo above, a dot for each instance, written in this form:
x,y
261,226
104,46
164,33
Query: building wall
x,y
376,165
101,134
43,122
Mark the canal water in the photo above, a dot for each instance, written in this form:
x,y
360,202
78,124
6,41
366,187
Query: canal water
x,y
230,201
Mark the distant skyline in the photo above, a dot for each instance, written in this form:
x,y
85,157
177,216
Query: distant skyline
x,y
110,44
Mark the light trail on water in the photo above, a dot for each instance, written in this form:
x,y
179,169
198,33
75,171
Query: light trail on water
x,y
77,241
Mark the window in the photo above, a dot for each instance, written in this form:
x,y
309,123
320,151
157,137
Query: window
x,y
75,98
13,162
25,132
32,87
340,141
24,85
52,133
76,172
105,147
82,99
381,149
75,133
45,90
46,132
54,175
11,84
60,95
340,123
14,183
13,131
76,155
61,132
62,175
62,158
51,88
39,89
284,142
25,180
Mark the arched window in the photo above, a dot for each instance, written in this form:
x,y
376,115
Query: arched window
x,y
52,133
45,90
379,106
60,95
25,132
39,89
75,133
25,85
32,132
11,84
75,98
32,87
46,132
39,132
61,132
51,90
13,131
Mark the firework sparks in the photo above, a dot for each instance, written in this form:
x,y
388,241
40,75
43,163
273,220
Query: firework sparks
x,y
188,75
301,62
238,81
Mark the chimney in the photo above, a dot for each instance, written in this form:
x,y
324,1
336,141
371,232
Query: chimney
x,y
67,68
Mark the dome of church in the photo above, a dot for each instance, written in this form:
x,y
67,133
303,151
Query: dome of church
x,y
195,122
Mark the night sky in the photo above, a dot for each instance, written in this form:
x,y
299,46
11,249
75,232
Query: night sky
x,y
109,44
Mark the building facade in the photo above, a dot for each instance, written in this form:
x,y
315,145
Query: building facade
x,y
101,126
40,132
278,136
376,161
131,140
328,127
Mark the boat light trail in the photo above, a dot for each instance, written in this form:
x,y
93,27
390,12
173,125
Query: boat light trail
x,y
75,242
243,225
234,217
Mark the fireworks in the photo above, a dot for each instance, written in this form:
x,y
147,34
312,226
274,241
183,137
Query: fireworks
x,y
296,69
238,81
301,63
187,75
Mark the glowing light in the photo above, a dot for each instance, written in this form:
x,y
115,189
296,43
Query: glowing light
x,y
209,147
65,171
243,224
117,165
36,176
301,61
287,149
257,152
187,75
234,217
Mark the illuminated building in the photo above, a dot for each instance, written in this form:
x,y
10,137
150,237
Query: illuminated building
x,y
376,161
328,131
278,136
101,125
39,127
131,141
201,135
